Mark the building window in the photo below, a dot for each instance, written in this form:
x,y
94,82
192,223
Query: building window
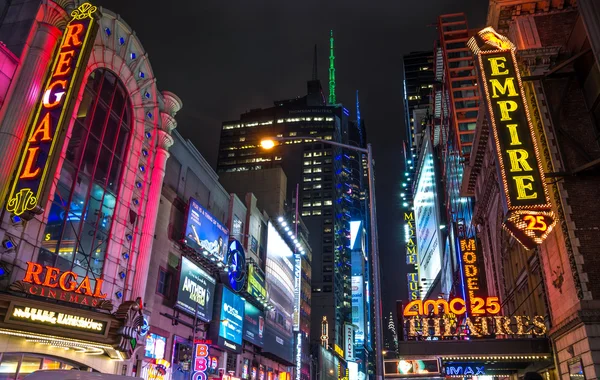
x,y
307,170
318,186
305,213
317,170
307,179
242,139
306,204
327,202
306,163
309,154
81,213
293,133
316,212
317,204
236,229
163,285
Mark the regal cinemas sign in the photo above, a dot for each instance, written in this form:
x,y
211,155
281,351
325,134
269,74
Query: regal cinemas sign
x,y
52,114
453,318
68,286
529,216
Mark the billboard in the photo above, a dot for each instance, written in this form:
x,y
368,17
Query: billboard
x,y
196,290
425,367
232,317
256,283
254,325
427,220
280,290
358,309
204,233
349,342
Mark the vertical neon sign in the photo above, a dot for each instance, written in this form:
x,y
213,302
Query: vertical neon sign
x,y
52,113
200,362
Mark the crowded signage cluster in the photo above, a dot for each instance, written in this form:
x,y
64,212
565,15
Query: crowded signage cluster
x,y
530,218
51,282
205,234
57,319
53,113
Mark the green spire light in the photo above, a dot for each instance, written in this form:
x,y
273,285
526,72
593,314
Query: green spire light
x,y
332,99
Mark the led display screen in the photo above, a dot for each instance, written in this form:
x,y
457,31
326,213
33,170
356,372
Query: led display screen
x,y
254,325
358,309
232,317
204,233
196,290
280,290
427,220
155,346
411,367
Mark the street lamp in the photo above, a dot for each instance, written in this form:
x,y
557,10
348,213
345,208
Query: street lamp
x,y
269,143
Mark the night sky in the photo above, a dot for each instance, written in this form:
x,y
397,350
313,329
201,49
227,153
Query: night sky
x,y
225,57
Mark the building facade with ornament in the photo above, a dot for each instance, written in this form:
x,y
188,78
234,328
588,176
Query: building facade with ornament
x,y
84,135
547,265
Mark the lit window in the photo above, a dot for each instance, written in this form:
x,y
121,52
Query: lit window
x,y
308,154
318,186
313,132
328,137
307,170
317,154
316,204
81,215
307,163
307,179
327,230
277,158
318,170
317,162
242,139
316,179
306,204
316,212
293,133
280,135
305,213
327,202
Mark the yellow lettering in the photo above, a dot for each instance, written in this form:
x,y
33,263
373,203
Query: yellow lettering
x,y
497,63
42,129
28,171
514,136
508,86
521,187
507,106
518,160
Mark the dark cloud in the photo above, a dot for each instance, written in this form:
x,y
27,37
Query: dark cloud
x,y
225,57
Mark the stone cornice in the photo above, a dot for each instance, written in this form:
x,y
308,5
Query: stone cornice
x,y
54,14
165,141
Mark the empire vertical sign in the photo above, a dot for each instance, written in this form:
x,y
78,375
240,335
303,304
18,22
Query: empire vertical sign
x,y
53,113
529,218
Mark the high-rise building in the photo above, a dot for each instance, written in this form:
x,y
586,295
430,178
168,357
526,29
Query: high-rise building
x,y
418,85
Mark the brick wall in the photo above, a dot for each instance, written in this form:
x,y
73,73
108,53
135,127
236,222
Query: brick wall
x,y
554,29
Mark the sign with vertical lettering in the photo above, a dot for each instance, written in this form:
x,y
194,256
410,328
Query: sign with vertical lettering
x,y
52,113
529,218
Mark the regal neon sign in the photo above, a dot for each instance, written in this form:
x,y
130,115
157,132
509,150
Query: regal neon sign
x,y
529,218
51,282
52,113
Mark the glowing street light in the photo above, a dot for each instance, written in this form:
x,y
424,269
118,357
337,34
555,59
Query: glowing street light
x,y
267,144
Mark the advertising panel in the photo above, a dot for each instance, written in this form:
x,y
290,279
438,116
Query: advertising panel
x,y
427,220
297,287
232,317
358,309
155,346
196,290
204,233
256,283
424,367
279,339
254,325
349,342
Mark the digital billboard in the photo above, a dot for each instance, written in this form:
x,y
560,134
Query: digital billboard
x,y
204,233
256,283
411,367
280,290
358,309
196,290
427,220
155,346
254,325
232,317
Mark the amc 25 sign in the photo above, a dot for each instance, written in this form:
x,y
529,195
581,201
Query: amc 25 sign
x,y
529,218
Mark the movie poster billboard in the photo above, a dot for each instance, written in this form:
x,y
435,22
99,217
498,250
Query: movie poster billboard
x,y
427,219
196,290
279,337
204,233
358,309
254,325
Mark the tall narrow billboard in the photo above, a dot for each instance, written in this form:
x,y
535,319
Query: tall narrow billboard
x,y
358,309
279,337
427,220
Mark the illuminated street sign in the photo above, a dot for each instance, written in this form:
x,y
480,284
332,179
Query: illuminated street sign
x,y
530,218
52,318
456,306
52,113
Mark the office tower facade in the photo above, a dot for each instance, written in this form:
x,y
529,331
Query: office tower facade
x,y
418,84
312,166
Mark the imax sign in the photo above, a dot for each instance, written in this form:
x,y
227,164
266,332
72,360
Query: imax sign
x,y
465,370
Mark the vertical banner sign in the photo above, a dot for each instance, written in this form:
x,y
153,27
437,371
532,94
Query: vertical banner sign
x,y
530,218
349,342
297,289
298,355
412,257
52,114
200,362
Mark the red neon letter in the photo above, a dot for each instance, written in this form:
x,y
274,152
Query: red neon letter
x,y
33,273
85,287
63,66
72,38
27,172
98,289
51,275
63,281
44,129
